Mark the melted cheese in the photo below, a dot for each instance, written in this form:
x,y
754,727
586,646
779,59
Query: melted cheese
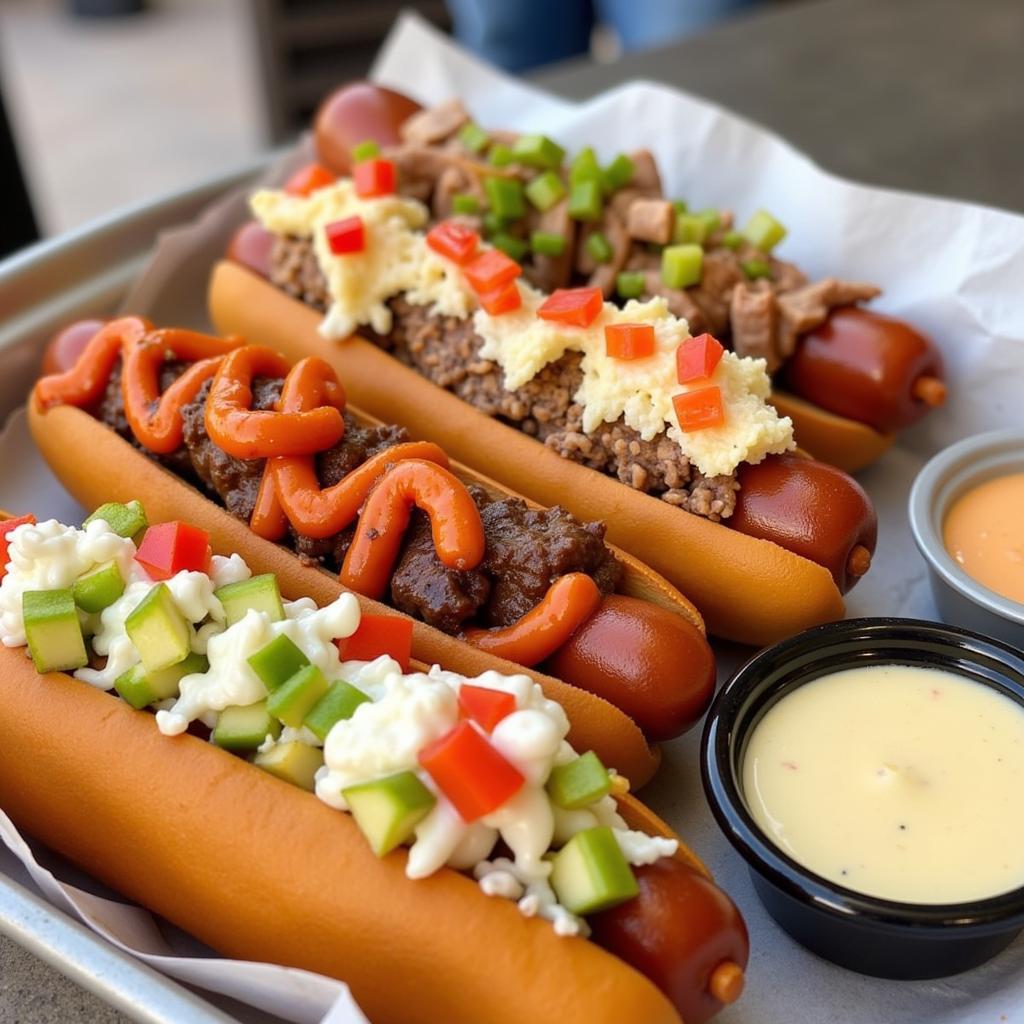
x,y
396,258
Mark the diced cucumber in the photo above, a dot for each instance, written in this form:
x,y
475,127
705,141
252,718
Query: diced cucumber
x,y
276,662
339,702
159,630
590,873
388,810
141,688
53,631
124,520
245,728
260,593
99,589
579,783
294,762
293,700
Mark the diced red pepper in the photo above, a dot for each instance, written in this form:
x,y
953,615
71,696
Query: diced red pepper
x,y
5,530
377,635
696,358
577,307
489,271
346,236
485,706
374,178
308,179
170,548
454,241
629,341
470,772
505,299
698,409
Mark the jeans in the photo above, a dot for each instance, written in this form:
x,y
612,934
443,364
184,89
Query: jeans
x,y
522,34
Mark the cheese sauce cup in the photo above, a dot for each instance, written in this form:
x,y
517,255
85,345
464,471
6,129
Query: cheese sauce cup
x,y
954,474
887,761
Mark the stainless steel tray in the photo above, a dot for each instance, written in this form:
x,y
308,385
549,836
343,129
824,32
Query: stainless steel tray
x,y
86,273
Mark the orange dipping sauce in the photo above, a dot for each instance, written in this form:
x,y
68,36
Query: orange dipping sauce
x,y
984,532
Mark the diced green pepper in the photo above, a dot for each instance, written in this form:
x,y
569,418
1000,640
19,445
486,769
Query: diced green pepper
x,y
545,190
473,137
500,155
465,203
630,284
764,231
680,206
510,245
505,196
98,589
618,173
124,520
682,265
365,151
584,167
585,202
712,219
599,249
689,230
756,268
338,703
492,223
579,783
537,151
547,243
732,239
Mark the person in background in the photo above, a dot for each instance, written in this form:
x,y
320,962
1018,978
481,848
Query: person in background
x,y
522,34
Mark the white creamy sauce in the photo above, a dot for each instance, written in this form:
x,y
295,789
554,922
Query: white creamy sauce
x,y
900,782
397,260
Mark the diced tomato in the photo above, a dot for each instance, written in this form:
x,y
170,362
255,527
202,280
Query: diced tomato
x,y
629,341
577,307
485,706
491,270
374,178
346,236
698,409
505,299
308,179
5,530
454,241
170,548
474,776
377,635
696,358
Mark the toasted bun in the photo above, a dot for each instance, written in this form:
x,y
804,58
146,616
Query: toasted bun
x,y
96,465
747,589
842,442
260,870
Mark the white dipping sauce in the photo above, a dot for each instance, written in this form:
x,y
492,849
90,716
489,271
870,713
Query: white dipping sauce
x,y
898,782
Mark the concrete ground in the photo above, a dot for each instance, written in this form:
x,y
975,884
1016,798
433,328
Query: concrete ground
x,y
111,111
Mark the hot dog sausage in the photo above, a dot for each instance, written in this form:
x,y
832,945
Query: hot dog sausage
x,y
869,367
66,346
684,934
251,245
811,509
358,112
627,651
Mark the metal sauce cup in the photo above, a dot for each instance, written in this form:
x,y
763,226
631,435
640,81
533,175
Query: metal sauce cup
x,y
960,598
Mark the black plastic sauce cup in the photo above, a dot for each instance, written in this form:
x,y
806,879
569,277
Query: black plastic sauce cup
x,y
875,936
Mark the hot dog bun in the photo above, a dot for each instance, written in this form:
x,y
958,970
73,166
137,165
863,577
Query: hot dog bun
x,y
843,442
96,466
260,870
747,589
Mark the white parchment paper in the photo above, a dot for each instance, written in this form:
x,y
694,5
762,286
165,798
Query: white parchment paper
x,y
953,269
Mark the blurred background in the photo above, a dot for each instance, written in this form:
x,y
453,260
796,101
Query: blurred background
x,y
109,102
195,87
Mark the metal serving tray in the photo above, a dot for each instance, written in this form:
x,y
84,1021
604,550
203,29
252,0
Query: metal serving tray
x,y
86,273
